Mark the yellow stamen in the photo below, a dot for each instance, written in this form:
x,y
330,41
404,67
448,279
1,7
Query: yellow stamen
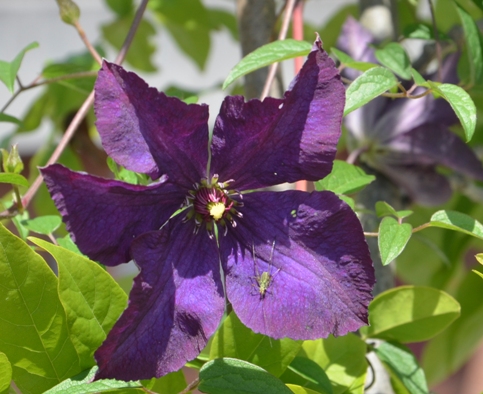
x,y
217,209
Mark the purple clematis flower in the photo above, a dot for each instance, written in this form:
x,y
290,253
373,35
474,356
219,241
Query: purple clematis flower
x,y
404,139
294,264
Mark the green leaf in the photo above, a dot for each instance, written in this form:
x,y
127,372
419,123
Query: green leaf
x,y
219,18
384,209
121,7
82,384
345,178
403,365
418,30
141,50
67,243
14,179
348,61
447,352
6,375
462,105
10,119
303,390
394,57
92,300
479,258
392,239
235,340
478,3
457,221
35,335
189,23
173,382
410,314
9,70
311,372
473,44
267,54
368,86
43,224
228,375
343,359
418,78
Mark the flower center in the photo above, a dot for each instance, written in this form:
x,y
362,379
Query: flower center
x,y
210,203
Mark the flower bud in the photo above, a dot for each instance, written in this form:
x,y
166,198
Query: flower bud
x,y
69,11
12,162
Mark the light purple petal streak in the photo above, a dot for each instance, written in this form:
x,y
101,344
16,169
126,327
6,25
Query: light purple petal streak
x,y
175,305
321,268
104,216
259,144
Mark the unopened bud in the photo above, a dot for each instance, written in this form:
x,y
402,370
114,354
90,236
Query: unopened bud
x,y
69,11
12,162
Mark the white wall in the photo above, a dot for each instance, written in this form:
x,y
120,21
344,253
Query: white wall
x,y
24,21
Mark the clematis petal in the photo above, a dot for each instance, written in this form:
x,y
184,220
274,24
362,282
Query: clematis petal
x,y
422,184
356,40
433,144
104,216
146,131
321,271
175,305
266,143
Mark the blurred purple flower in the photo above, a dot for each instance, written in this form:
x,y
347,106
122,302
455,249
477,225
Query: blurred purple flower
x,y
296,264
405,139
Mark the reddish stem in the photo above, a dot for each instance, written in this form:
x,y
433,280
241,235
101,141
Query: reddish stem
x,y
298,34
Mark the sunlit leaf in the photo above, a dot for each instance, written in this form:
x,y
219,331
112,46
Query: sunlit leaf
x,y
394,57
6,372
43,224
462,105
410,314
228,375
33,324
235,340
303,390
82,384
312,374
91,298
384,209
457,221
368,86
348,61
345,178
447,352
266,55
9,70
173,382
13,179
403,366
473,44
343,359
392,239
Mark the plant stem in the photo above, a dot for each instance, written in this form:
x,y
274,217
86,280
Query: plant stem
x,y
87,43
191,386
436,38
281,36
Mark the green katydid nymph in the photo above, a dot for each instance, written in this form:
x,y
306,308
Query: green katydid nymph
x,y
264,280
